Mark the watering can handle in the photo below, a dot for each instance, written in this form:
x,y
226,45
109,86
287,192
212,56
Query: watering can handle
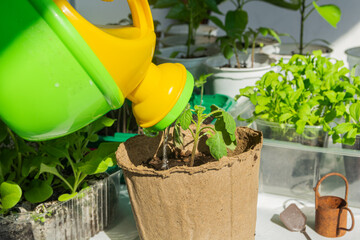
x,y
352,219
316,189
140,11
141,14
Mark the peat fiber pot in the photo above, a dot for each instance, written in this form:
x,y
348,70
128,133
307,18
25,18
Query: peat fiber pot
x,y
215,200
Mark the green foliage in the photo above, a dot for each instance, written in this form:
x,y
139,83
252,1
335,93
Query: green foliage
x,y
308,90
10,195
238,37
221,136
32,170
190,12
329,12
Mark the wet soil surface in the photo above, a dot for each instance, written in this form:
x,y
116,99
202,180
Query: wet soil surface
x,y
178,158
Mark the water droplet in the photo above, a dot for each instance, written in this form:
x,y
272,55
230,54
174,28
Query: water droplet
x,y
150,133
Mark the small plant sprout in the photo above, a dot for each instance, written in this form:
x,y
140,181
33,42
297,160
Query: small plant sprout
x,y
221,136
199,83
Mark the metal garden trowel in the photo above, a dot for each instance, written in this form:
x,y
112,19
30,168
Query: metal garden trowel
x,y
294,219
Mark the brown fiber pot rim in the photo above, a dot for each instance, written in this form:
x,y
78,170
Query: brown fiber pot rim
x,y
254,150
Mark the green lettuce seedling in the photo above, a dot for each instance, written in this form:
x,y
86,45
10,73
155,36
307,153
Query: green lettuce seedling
x,y
308,90
221,135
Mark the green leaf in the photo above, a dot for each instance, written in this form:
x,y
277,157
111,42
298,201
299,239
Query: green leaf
x,y
55,149
331,13
99,160
38,191
285,116
355,111
94,138
352,133
300,126
287,4
185,118
66,197
217,22
6,160
179,12
178,137
331,95
259,109
228,138
330,116
212,6
263,100
217,146
264,31
274,34
174,54
10,194
343,128
165,3
304,112
235,22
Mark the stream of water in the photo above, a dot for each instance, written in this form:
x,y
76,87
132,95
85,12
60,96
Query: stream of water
x,y
165,162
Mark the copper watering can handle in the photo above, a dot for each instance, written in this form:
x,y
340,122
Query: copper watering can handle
x,y
352,219
316,189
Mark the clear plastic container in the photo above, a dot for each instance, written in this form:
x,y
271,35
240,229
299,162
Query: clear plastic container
x,y
353,58
312,135
82,217
293,169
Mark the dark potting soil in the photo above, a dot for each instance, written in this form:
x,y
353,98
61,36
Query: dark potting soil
x,y
242,65
178,159
17,231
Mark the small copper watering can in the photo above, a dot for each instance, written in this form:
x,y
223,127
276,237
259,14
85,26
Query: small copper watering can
x,y
331,212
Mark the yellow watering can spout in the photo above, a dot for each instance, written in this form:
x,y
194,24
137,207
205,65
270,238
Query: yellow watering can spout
x,y
59,72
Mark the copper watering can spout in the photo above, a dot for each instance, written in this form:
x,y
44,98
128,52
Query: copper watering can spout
x,y
331,212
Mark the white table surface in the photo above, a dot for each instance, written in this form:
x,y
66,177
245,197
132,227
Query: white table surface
x,y
268,225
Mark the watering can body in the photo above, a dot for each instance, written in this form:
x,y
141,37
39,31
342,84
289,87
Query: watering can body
x,y
58,72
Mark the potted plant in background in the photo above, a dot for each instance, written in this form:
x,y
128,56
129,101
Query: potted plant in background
x,y
299,104
241,64
192,13
201,183
329,12
45,189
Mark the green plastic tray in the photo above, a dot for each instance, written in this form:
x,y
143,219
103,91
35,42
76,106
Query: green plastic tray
x,y
220,100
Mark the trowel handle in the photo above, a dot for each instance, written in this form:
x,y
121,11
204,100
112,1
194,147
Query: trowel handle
x,y
316,189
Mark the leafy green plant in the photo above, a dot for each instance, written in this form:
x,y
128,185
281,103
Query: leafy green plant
x,y
308,90
347,131
190,12
238,38
200,82
330,12
28,170
17,176
221,136
71,161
